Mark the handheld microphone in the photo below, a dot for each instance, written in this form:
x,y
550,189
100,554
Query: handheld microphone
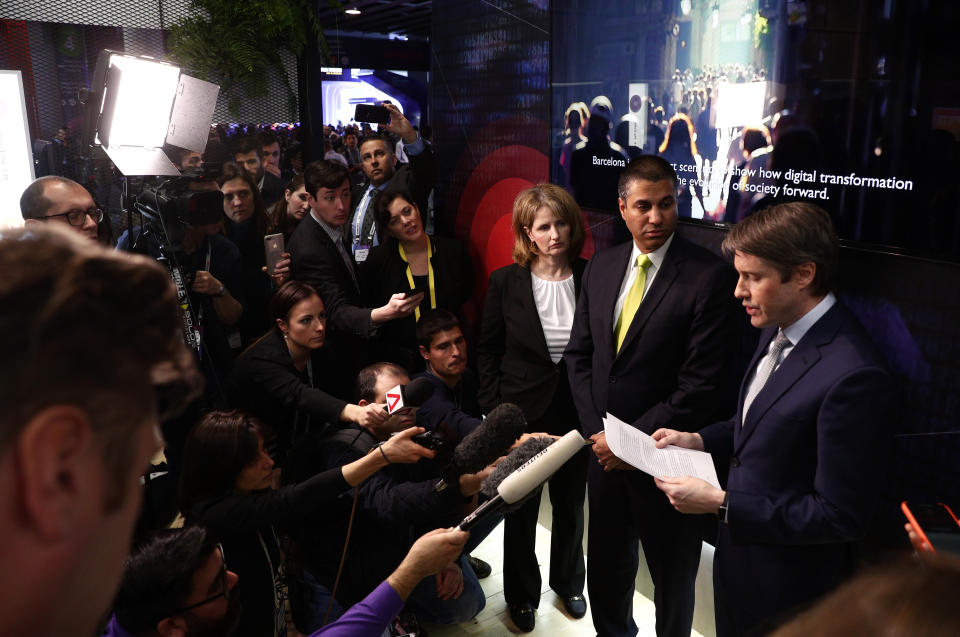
x,y
490,440
516,484
404,400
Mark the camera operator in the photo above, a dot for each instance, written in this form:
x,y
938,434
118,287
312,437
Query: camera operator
x,y
182,226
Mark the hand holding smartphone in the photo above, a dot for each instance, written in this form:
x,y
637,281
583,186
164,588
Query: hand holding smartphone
x,y
273,246
935,526
372,114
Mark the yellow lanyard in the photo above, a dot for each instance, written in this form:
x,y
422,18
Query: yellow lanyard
x,y
430,281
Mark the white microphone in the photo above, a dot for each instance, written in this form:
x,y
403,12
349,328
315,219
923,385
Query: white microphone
x,y
525,479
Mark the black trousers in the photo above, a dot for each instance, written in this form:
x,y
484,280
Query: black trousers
x,y
626,511
521,570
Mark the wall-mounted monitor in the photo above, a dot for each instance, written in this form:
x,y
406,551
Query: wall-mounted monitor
x,y
851,105
16,157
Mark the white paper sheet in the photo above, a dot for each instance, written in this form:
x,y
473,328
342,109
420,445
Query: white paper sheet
x,y
640,450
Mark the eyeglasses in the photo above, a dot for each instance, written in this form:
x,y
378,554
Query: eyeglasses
x,y
79,217
224,591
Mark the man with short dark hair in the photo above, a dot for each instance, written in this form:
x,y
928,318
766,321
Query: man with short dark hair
x,y
61,200
184,159
379,165
352,151
453,410
248,154
176,584
652,339
270,152
811,434
91,342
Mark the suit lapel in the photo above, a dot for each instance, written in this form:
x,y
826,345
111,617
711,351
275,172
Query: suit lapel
x,y
611,280
669,269
324,238
528,307
801,359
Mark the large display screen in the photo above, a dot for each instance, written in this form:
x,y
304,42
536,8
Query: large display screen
x,y
851,105
344,88
16,159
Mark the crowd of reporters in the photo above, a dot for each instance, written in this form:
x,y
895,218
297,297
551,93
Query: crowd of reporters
x,y
305,504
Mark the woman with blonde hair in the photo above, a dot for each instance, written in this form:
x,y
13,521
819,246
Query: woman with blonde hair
x,y
526,325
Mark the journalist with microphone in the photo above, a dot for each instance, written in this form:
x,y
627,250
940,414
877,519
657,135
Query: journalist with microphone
x,y
526,326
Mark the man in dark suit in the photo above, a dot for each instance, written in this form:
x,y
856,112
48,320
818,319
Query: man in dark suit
x,y
379,165
652,339
248,154
811,434
319,256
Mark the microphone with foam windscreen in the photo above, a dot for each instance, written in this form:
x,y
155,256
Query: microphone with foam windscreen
x,y
490,440
511,485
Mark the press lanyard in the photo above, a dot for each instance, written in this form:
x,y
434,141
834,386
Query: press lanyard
x,y
430,281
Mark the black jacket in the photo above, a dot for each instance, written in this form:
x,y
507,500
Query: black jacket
x,y
265,383
513,361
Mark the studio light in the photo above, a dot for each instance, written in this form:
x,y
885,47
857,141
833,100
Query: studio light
x,y
137,104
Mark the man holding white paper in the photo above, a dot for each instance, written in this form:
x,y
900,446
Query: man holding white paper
x,y
652,338
810,438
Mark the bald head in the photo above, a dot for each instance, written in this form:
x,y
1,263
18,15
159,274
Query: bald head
x,y
50,198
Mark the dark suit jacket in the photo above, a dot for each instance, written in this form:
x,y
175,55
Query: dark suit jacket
x,y
417,177
383,274
315,259
513,361
673,367
272,190
807,467
265,383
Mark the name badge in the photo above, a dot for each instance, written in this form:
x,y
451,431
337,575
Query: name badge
x,y
360,253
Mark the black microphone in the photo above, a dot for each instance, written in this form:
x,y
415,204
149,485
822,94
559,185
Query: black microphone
x,y
520,475
490,440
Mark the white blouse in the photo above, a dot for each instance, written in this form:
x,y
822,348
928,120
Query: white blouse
x,y
556,301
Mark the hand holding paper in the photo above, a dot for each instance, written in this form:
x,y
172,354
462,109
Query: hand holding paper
x,y
640,450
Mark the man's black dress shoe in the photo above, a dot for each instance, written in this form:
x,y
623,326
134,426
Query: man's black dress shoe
x,y
481,568
524,616
576,605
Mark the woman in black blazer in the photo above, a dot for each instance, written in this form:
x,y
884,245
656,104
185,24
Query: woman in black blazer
x,y
279,379
407,260
526,325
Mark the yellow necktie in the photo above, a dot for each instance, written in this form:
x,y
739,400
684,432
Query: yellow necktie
x,y
634,296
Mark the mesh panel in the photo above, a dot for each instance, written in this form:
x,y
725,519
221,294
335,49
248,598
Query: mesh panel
x,y
55,46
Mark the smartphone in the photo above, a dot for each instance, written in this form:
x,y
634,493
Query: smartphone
x,y
425,290
936,525
273,246
372,114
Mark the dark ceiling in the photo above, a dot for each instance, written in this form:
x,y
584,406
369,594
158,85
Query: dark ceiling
x,y
410,17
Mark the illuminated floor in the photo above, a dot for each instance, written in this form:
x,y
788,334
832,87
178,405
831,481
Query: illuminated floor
x,y
552,620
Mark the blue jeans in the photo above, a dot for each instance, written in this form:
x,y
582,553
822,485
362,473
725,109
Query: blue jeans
x,y
314,598
430,608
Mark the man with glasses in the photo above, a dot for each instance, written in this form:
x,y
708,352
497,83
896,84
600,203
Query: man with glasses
x,y
179,584
61,200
